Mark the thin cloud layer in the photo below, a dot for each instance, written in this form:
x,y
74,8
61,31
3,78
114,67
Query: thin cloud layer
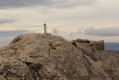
x,y
45,3
6,21
12,33
103,32
22,3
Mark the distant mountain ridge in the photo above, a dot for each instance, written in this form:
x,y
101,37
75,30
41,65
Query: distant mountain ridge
x,y
111,46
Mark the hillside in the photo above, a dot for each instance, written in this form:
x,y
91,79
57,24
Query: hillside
x,y
50,57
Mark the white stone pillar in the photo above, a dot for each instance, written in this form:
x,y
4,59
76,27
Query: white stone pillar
x,y
45,28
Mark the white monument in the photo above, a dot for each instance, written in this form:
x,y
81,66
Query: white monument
x,y
45,28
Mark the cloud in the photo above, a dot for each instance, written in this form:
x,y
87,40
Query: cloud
x,y
22,3
103,32
12,33
69,35
46,3
55,31
6,21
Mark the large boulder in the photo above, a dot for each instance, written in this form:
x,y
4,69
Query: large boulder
x,y
49,57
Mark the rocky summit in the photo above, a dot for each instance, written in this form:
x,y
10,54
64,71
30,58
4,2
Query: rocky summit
x,y
49,57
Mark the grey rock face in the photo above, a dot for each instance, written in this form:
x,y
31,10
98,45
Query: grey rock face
x,y
108,62
49,57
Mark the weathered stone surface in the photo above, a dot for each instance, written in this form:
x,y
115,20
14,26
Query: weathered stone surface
x,y
108,62
49,57
99,45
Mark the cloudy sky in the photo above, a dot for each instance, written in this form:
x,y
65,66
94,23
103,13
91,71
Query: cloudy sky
x,y
72,19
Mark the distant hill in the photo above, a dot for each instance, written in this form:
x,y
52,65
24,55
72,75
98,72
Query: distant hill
x,y
111,46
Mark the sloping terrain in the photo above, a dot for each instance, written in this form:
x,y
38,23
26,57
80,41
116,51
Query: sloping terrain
x,y
49,57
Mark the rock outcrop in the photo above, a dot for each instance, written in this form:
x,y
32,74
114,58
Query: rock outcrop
x,y
95,50
49,57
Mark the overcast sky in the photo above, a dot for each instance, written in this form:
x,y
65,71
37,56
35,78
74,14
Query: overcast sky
x,y
72,19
